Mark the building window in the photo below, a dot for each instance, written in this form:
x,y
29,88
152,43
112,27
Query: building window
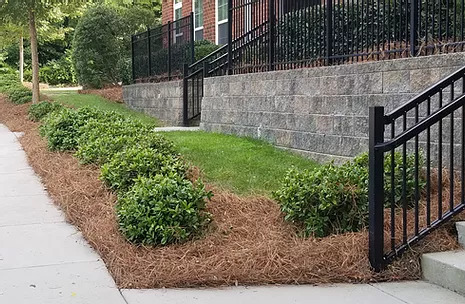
x,y
221,21
177,16
198,19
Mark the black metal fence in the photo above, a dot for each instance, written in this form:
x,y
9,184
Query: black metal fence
x,y
417,178
283,34
159,53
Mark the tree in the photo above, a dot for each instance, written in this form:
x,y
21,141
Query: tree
x,y
28,12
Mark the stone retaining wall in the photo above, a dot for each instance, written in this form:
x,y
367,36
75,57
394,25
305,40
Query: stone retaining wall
x,y
322,112
161,100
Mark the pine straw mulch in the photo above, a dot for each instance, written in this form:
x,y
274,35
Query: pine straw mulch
x,y
112,93
247,243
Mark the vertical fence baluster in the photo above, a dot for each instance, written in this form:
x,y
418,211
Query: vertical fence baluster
x,y
169,49
376,188
413,27
393,194
272,34
185,96
451,153
417,189
428,167
404,183
149,53
329,31
132,60
440,161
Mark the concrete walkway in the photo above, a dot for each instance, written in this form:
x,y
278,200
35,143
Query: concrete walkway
x,y
44,260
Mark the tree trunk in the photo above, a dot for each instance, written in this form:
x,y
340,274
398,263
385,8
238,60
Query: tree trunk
x,y
35,56
21,59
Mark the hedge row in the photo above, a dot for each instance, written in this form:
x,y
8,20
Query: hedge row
x,y
14,90
157,204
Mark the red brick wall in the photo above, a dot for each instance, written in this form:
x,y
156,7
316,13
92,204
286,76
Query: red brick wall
x,y
208,15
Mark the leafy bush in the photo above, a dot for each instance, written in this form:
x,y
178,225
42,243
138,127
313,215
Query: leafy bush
x,y
162,210
334,199
63,128
204,48
133,162
58,71
97,47
16,92
101,140
40,110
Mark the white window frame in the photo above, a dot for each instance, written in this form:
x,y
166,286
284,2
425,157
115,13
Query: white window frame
x,y
176,6
193,10
217,23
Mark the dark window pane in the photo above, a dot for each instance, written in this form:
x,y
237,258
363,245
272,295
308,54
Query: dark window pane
x,y
223,33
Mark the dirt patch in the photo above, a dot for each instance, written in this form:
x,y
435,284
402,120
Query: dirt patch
x,y
247,243
114,93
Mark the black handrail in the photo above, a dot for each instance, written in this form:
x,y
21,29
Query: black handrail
x,y
406,172
399,111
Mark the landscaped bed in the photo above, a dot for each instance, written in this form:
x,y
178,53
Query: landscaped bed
x,y
248,241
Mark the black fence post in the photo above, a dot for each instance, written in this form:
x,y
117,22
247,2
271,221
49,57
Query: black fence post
x,y
272,33
149,53
192,33
376,188
185,95
132,60
230,34
413,27
329,31
169,49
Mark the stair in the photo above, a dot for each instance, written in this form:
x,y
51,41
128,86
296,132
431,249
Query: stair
x,y
447,269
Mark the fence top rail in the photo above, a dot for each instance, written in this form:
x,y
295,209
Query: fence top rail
x,y
429,92
161,27
422,125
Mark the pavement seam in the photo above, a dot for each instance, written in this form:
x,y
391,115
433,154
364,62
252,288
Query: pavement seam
x,y
122,295
31,224
99,260
389,294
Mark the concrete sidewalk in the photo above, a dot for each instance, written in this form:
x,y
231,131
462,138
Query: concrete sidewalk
x,y
44,260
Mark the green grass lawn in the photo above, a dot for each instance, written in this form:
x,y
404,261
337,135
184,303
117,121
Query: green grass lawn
x,y
242,165
76,100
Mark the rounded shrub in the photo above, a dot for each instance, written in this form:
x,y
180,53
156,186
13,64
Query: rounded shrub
x,y
63,128
133,162
40,110
97,47
334,199
162,210
99,140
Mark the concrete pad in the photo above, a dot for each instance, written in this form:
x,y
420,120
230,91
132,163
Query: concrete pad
x,y
420,292
42,244
25,210
20,184
446,269
461,233
76,283
341,293
15,163
7,151
172,129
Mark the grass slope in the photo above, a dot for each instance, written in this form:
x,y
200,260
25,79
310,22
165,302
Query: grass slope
x,y
242,165
76,100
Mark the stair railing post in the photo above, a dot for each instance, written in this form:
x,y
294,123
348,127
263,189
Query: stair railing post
x,y
413,27
376,188
185,93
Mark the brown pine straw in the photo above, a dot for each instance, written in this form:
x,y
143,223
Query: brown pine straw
x,y
247,243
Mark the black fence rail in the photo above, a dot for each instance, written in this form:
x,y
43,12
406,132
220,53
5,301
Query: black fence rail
x,y
278,34
159,53
417,178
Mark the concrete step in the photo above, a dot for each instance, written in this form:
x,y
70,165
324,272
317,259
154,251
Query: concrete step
x,y
461,232
446,269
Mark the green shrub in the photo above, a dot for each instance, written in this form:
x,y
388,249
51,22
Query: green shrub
x,y
204,48
334,199
63,128
133,162
17,93
97,47
162,210
101,140
58,71
40,110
